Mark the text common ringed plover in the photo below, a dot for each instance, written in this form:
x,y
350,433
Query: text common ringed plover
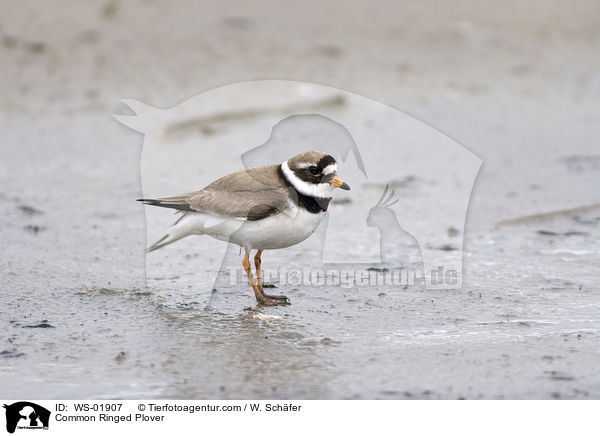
x,y
260,208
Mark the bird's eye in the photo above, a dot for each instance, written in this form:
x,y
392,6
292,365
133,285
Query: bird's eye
x,y
313,170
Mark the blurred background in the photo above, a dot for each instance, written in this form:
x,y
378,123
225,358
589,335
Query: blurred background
x,y
517,83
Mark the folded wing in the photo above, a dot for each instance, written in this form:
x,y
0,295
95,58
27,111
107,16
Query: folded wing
x,y
253,193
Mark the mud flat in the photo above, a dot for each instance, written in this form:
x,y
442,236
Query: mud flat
x,y
519,87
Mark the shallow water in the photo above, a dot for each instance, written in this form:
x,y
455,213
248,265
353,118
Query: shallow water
x,y
521,328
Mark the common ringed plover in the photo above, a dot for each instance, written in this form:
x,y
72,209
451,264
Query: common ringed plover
x,y
260,208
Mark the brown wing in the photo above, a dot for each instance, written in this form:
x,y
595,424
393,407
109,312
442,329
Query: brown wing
x,y
253,193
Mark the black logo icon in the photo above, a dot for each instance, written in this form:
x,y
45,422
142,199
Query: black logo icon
x,y
26,415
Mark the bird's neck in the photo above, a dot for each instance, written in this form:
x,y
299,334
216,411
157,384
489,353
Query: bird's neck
x,y
311,203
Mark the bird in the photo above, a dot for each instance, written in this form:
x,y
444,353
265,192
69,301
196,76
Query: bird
x,y
260,208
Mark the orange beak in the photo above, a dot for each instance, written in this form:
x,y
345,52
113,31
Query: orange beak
x,y
339,183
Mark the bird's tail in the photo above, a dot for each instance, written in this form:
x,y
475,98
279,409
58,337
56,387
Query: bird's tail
x,y
164,241
177,231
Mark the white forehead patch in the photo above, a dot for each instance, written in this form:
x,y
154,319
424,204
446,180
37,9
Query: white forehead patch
x,y
321,190
332,168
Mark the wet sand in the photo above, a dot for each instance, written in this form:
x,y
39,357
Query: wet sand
x,y
519,87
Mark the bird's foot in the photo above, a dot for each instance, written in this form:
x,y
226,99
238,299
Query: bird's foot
x,y
277,297
274,300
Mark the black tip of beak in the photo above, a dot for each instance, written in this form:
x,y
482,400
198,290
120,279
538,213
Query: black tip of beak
x,y
345,187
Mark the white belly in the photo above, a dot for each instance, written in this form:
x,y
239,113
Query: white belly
x,y
281,230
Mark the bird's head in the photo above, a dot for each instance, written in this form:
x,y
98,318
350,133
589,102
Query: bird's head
x,y
313,173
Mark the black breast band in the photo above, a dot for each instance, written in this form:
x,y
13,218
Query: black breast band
x,y
308,202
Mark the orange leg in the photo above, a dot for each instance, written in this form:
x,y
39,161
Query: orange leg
x,y
260,297
258,271
257,263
